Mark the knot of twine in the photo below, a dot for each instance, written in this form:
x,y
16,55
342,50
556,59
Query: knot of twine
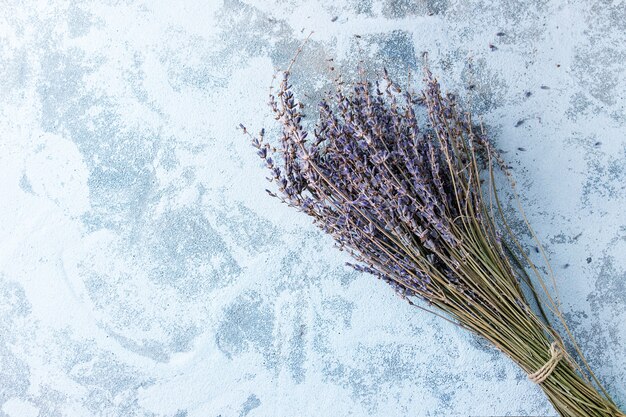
x,y
541,374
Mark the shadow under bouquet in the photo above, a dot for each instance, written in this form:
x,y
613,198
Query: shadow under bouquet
x,y
405,182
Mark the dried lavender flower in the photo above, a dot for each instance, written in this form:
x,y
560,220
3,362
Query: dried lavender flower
x,y
396,179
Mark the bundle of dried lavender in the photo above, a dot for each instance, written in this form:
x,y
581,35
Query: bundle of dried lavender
x,y
407,201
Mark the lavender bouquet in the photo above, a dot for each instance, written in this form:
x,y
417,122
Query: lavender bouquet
x,y
405,183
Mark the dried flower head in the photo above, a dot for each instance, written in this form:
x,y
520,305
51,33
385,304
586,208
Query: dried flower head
x,y
394,189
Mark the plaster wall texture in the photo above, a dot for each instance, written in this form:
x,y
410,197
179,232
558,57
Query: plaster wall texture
x,y
144,271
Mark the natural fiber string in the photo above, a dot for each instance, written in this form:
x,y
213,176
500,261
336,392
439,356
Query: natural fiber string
x,y
556,354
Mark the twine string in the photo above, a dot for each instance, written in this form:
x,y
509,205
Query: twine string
x,y
541,374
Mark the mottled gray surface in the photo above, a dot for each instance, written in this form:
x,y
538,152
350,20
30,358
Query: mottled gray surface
x,y
144,272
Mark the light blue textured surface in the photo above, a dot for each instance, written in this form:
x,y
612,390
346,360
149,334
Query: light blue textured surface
x,y
144,271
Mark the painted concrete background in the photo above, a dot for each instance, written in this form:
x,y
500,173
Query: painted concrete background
x,y
144,271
